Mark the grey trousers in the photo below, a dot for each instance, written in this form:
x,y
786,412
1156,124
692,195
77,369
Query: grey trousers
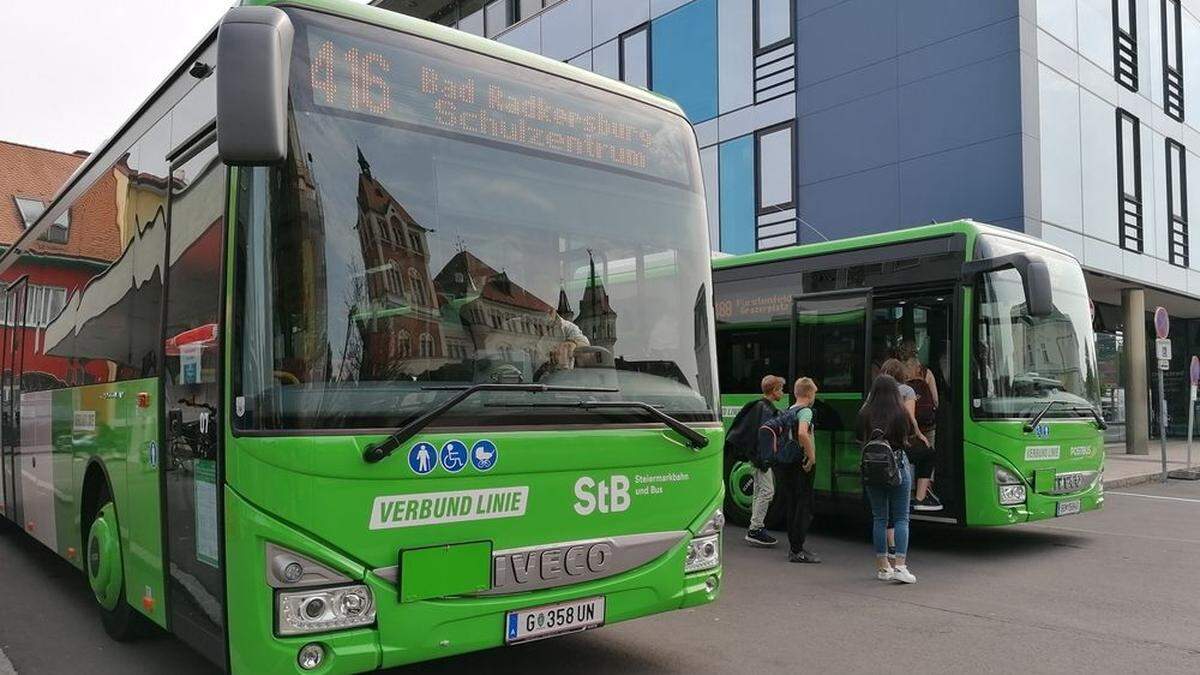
x,y
764,491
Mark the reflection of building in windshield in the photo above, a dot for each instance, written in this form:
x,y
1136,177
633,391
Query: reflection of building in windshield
x,y
501,320
400,324
597,319
1051,353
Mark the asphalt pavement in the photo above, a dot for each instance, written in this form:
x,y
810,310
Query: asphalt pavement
x,y
1113,591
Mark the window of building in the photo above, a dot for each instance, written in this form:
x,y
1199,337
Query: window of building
x,y
1125,59
499,15
404,344
1177,228
420,295
773,24
1172,44
1129,178
775,164
471,18
42,305
635,56
32,209
527,8
775,196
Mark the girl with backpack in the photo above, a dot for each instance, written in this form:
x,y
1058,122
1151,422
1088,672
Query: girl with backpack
x,y
884,426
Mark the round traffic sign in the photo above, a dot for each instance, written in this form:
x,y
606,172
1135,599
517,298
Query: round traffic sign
x,y
1162,322
1194,370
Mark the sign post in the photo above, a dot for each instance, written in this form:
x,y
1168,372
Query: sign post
x,y
1162,347
1187,473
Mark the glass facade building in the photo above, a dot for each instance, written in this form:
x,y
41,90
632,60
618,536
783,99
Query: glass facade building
x,y
1073,120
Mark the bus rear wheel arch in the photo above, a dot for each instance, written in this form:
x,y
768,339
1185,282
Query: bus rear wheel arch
x,y
103,561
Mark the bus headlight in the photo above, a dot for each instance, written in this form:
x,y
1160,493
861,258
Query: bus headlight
x,y
324,609
1009,486
704,550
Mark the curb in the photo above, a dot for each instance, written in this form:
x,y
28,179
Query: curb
x,y
1129,481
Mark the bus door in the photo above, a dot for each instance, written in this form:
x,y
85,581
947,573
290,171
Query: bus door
x,y
917,324
12,360
192,464
829,338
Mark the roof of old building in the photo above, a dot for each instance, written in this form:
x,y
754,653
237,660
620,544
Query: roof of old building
x,y
38,173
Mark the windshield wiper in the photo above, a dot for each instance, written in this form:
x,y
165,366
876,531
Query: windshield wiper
x,y
1096,416
695,439
379,451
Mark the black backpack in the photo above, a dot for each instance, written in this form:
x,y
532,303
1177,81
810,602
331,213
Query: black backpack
x,y
879,465
777,442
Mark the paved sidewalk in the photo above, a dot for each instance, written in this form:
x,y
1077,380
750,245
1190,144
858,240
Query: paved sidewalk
x,y
1121,470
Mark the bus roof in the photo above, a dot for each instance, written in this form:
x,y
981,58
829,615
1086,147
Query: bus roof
x,y
488,47
970,228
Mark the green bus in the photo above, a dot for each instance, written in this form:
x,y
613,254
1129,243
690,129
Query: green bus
x,y
1001,320
367,342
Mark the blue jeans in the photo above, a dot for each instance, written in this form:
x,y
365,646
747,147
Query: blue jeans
x,y
891,504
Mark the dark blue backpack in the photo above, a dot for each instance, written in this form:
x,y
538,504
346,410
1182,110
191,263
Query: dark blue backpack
x,y
777,442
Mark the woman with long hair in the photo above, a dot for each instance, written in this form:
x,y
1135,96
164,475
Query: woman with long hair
x,y
884,414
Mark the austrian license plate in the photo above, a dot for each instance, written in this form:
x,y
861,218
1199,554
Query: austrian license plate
x,y
547,620
1066,508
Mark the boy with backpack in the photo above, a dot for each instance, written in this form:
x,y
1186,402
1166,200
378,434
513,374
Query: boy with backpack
x,y
743,437
795,464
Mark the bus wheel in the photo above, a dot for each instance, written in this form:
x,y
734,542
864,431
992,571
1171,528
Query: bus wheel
x,y
106,575
739,490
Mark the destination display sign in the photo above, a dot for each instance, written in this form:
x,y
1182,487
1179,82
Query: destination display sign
x,y
464,93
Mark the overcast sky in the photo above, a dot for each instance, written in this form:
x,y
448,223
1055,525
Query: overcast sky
x,y
74,70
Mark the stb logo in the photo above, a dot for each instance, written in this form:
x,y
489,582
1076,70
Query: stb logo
x,y
1042,431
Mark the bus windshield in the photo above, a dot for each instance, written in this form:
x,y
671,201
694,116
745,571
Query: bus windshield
x,y
447,219
1019,362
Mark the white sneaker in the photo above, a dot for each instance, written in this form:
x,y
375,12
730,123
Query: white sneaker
x,y
901,574
884,575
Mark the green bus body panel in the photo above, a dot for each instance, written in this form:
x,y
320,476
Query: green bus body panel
x,y
986,443
443,571
315,495
103,423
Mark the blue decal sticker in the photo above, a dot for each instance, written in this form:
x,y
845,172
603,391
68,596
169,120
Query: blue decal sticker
x,y
512,626
422,458
483,455
454,456
1042,431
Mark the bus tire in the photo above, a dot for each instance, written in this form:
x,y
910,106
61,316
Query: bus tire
x,y
105,572
737,504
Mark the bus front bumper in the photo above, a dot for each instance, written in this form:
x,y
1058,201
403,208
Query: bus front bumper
x,y
410,632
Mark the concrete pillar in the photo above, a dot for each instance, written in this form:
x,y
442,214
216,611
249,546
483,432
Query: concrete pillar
x,y
1137,417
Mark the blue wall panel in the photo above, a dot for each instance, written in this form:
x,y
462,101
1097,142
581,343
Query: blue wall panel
x,y
737,195
683,57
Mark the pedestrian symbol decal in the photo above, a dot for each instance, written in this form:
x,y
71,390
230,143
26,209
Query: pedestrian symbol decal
x,y
422,458
483,455
454,456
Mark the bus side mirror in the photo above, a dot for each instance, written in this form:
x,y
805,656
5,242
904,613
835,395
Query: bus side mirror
x,y
1035,278
254,49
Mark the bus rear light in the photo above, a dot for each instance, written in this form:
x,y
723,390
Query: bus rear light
x,y
325,609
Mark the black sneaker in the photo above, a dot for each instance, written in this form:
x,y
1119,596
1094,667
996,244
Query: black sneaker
x,y
929,503
760,537
804,556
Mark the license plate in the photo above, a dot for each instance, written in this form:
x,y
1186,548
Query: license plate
x,y
1066,508
547,620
